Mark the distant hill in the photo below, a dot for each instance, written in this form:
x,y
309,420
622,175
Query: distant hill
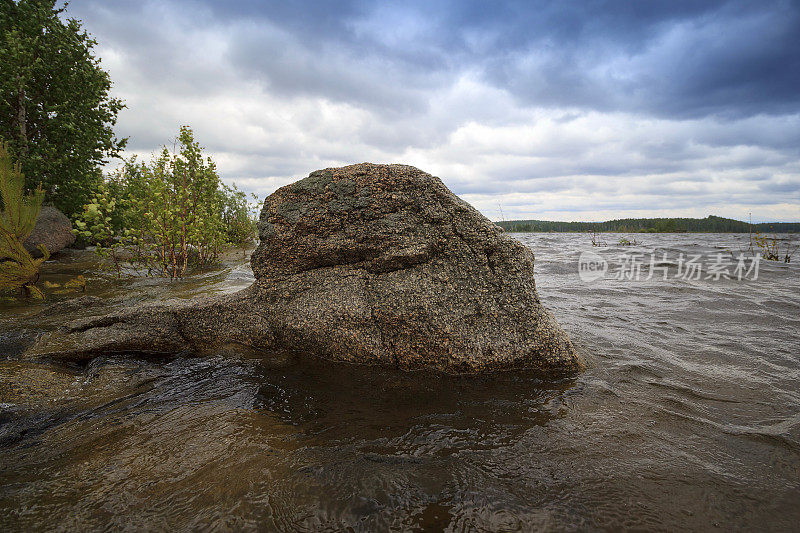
x,y
710,224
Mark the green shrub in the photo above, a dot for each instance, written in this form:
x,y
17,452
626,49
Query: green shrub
x,y
769,248
96,225
168,215
238,216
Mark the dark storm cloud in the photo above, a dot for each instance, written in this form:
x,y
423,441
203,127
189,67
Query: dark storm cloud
x,y
677,58
668,58
671,59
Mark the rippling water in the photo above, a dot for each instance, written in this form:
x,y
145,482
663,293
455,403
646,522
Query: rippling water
x,y
688,417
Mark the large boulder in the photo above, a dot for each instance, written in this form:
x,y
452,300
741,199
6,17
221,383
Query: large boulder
x,y
53,229
377,264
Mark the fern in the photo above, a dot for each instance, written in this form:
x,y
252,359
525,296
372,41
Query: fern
x,y
18,269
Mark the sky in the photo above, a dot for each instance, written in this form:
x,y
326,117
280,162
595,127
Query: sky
x,y
528,110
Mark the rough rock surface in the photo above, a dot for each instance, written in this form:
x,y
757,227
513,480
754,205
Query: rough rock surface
x,y
53,229
377,264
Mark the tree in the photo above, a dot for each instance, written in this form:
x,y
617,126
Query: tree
x,y
55,110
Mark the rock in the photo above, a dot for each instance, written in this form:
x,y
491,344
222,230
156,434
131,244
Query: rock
x,y
375,264
53,229
73,305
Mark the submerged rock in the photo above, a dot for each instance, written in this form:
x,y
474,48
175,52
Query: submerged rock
x,y
53,229
377,264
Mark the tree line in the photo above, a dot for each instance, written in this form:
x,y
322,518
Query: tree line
x,y
710,224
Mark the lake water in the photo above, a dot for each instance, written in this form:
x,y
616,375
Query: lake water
x,y
688,416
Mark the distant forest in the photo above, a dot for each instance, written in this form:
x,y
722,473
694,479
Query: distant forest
x,y
710,224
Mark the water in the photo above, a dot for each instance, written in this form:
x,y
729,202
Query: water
x,y
688,417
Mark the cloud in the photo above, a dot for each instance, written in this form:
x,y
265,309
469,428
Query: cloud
x,y
549,109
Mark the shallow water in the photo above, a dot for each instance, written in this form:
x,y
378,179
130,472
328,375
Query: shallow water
x,y
688,417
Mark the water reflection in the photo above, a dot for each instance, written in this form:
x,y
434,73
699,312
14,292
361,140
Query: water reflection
x,y
204,441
